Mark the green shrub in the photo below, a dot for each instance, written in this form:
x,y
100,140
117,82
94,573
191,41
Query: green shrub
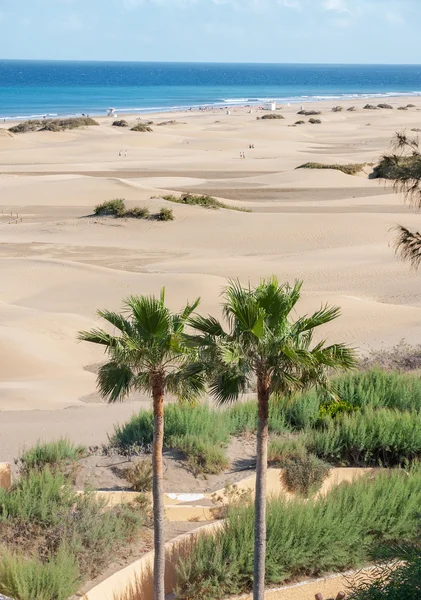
x,y
114,207
304,538
26,126
334,408
374,437
39,497
200,200
281,450
351,169
305,474
378,388
203,457
53,124
142,127
29,578
120,123
139,475
309,113
165,214
56,455
137,213
301,411
397,578
396,167
272,115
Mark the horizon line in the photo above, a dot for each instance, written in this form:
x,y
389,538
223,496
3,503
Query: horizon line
x,y
204,62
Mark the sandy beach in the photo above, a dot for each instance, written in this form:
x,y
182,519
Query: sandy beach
x,y
58,267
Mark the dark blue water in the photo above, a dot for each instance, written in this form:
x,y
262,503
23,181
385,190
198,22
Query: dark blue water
x,y
29,88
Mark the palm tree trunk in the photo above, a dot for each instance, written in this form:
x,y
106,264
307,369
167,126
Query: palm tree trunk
x,y
261,477
158,490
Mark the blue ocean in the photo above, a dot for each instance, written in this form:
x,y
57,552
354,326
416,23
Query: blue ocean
x,y
37,88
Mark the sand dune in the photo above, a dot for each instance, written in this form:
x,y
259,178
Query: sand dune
x,y
58,265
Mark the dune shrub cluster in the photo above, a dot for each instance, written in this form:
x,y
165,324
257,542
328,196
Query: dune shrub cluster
x,y
336,532
315,121
117,208
349,169
57,455
271,115
374,418
139,475
120,123
52,124
142,127
51,538
309,113
397,167
203,200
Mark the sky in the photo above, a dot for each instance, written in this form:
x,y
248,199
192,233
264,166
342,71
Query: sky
x,y
280,31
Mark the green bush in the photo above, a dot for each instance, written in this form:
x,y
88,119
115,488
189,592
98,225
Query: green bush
x,y
42,514
137,212
204,458
114,207
378,388
165,214
301,411
280,450
304,538
139,475
272,115
120,123
350,169
142,127
396,167
56,455
200,200
53,124
29,578
305,474
397,578
376,437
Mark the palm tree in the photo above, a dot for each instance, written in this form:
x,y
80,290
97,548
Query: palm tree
x,y
403,167
148,354
263,345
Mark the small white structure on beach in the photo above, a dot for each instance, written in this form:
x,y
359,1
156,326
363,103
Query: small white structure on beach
x,y
111,112
269,106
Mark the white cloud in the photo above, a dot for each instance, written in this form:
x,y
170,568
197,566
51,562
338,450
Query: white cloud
x,y
291,4
340,6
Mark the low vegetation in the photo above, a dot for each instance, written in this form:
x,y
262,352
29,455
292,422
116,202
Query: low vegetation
x,y
120,123
53,124
397,578
350,169
139,475
309,113
142,127
271,116
116,208
370,107
374,419
300,122
304,475
396,167
385,106
203,200
336,532
53,539
56,455
315,121
337,109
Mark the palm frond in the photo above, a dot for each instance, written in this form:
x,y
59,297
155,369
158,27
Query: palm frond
x,y
187,383
325,315
98,336
117,320
114,381
207,325
408,246
151,317
227,385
